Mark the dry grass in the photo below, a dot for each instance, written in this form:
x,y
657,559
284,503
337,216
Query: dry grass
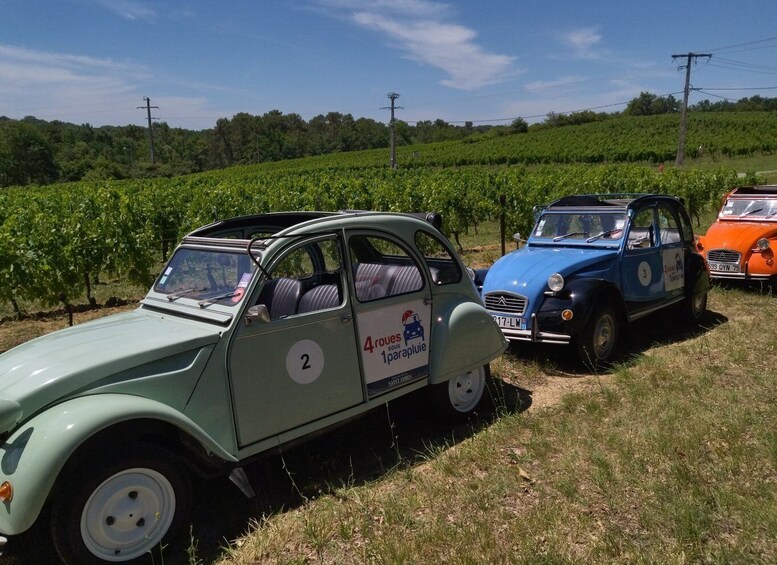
x,y
672,458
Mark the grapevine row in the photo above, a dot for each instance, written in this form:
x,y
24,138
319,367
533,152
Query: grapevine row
x,y
55,240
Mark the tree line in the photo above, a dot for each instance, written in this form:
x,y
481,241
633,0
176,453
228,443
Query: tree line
x,y
34,151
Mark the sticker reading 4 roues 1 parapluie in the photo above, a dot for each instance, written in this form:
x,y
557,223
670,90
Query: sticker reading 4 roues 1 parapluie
x,y
305,361
394,344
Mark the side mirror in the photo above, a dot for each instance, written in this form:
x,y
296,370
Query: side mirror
x,y
257,313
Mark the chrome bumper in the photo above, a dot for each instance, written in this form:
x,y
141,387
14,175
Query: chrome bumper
x,y
535,335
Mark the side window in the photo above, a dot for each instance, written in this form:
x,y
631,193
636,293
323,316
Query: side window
x,y
382,268
443,268
669,229
642,232
306,279
685,225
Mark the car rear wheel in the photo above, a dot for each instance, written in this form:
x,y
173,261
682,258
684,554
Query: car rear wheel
x,y
597,344
119,510
460,397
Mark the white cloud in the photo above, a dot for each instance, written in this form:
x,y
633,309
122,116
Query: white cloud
x,y
583,41
78,89
129,9
543,85
419,28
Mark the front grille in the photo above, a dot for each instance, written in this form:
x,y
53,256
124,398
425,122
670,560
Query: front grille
x,y
506,302
723,256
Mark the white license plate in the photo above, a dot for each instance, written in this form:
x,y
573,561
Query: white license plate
x,y
510,323
724,267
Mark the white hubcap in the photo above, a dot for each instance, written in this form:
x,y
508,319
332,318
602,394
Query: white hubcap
x,y
466,390
128,514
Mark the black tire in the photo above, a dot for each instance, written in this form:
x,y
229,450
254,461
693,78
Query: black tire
x,y
694,307
459,398
599,342
120,507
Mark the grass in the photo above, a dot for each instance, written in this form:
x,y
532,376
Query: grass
x,y
672,459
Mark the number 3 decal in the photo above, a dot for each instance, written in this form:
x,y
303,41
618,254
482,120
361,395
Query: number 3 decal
x,y
644,273
305,361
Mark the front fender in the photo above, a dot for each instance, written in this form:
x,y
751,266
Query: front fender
x,y
32,458
579,295
464,337
697,275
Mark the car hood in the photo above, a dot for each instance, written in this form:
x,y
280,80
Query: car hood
x,y
79,358
526,270
737,234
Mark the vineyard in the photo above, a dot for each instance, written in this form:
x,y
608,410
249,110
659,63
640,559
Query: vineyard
x,y
56,241
651,139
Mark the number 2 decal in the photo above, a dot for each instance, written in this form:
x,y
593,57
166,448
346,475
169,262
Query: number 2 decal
x,y
305,361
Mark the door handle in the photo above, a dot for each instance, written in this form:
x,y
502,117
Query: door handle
x,y
428,300
346,319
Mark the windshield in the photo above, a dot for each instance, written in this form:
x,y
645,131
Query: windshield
x,y
749,208
574,226
209,276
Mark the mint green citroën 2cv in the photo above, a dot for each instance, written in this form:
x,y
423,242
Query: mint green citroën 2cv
x,y
259,331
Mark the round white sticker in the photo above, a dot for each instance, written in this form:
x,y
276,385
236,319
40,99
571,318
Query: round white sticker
x,y
644,273
305,361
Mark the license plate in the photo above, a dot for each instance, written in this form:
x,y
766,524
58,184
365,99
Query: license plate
x,y
510,323
724,267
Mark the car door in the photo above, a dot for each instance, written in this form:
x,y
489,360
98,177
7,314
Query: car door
x,y
642,276
393,305
672,251
302,365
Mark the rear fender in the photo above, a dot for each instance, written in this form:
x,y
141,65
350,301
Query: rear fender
x,y
464,337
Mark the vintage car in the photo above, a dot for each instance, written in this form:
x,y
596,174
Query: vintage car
x,y
259,331
591,265
742,243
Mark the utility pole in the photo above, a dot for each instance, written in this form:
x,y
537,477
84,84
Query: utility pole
x,y
148,107
393,96
684,110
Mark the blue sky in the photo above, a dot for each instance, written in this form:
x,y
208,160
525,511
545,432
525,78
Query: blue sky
x,y
487,61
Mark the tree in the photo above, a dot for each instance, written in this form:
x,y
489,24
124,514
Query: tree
x,y
647,104
519,125
26,156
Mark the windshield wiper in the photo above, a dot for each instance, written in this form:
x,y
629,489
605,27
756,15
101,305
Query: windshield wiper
x,y
214,299
602,234
182,293
742,215
570,234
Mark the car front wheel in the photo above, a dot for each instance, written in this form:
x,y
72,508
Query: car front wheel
x,y
119,510
694,307
598,343
460,397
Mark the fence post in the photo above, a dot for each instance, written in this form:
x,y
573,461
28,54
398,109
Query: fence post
x,y
502,204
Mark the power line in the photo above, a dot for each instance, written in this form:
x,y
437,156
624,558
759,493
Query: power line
x,y
740,88
745,44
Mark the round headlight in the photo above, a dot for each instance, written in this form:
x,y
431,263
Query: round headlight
x,y
555,282
762,244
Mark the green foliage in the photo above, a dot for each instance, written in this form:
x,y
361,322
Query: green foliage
x,y
55,240
647,104
26,156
